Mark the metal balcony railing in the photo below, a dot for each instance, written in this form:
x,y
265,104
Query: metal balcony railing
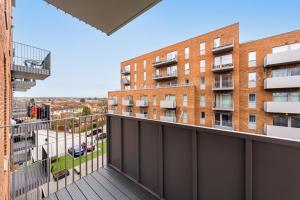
x,y
164,76
225,47
223,124
125,71
125,81
141,103
223,106
112,102
222,67
223,85
30,62
164,61
22,85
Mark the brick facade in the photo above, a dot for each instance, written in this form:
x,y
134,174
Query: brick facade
x,y
5,93
239,73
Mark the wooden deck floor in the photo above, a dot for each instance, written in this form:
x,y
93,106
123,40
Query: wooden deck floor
x,y
104,184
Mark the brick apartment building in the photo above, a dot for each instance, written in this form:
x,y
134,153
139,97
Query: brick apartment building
x,y
5,93
213,80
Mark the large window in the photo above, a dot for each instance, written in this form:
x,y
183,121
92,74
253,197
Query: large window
x,y
286,48
252,101
184,100
171,70
172,55
223,60
202,65
223,100
295,121
186,68
286,97
252,121
280,120
217,42
202,117
186,52
252,80
202,100
154,100
145,76
252,59
295,71
223,119
202,83
202,48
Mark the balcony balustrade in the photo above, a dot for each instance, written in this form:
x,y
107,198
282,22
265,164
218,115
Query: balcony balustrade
x,y
165,61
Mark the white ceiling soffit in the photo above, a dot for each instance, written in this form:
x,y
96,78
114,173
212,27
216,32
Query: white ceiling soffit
x,y
105,15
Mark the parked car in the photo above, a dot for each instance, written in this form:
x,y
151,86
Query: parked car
x,y
94,132
61,174
76,151
101,136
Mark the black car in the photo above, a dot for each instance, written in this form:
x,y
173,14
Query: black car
x,y
94,132
101,136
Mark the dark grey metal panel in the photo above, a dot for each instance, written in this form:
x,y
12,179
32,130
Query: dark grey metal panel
x,y
220,167
177,163
149,155
130,150
115,142
276,172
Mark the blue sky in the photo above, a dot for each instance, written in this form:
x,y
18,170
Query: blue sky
x,y
85,62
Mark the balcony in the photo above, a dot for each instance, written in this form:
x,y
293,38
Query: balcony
x,y
127,102
283,58
112,102
164,62
227,125
282,132
151,160
125,81
282,82
127,114
226,47
282,107
141,103
165,76
168,104
168,118
112,112
141,115
125,71
30,62
223,85
22,85
220,106
222,68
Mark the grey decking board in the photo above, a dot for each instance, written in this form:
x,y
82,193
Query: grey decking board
x,y
87,191
75,192
63,194
99,189
117,193
51,197
130,192
142,193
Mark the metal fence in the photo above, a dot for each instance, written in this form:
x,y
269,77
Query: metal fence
x,y
176,162
49,155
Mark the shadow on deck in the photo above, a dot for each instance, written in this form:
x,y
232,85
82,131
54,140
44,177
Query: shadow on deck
x,y
104,184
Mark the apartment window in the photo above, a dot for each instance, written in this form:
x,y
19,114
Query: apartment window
x,y
135,87
295,71
134,77
252,101
252,80
223,120
285,48
157,59
217,42
202,65
145,64
202,83
172,55
184,100
280,120
186,68
202,48
154,113
127,87
171,70
186,82
286,97
186,52
223,60
223,100
295,121
154,100
145,76
184,117
135,67
252,121
202,117
202,100
252,59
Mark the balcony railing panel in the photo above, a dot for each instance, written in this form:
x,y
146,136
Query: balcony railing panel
x,y
112,102
223,85
277,59
164,61
225,47
282,107
164,76
223,67
176,161
169,104
282,82
141,103
30,62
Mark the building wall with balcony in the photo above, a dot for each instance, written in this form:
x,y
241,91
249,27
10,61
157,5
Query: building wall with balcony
x,y
262,47
5,94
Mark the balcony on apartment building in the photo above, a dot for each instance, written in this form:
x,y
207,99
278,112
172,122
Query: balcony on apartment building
x,y
30,62
165,76
141,115
165,61
141,103
282,132
127,113
22,85
283,81
143,161
223,124
168,104
125,71
222,67
110,111
223,48
223,85
290,56
112,102
125,81
284,102
168,118
225,104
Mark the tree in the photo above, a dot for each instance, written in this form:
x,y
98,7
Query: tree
x,y
86,111
82,100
